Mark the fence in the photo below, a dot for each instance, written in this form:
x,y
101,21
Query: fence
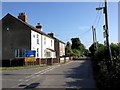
x,y
45,61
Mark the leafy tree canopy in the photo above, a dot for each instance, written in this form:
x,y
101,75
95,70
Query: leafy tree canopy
x,y
76,48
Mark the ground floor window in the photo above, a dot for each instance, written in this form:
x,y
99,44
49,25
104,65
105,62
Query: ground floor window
x,y
48,54
19,53
37,52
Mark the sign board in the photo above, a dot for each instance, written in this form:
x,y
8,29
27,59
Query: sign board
x,y
104,34
31,59
30,53
20,53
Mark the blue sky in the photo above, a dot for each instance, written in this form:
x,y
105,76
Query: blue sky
x,y
68,20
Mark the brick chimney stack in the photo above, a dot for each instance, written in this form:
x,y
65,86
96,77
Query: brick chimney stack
x,y
39,27
23,16
51,34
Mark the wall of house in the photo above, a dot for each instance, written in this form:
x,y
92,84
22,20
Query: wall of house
x,y
36,43
62,48
47,42
15,35
57,48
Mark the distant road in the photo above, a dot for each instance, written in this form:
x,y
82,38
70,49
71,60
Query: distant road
x,y
75,74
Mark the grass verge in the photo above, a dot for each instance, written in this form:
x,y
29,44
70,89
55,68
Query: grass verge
x,y
27,67
21,67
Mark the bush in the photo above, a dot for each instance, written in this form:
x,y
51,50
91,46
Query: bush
x,y
76,52
107,78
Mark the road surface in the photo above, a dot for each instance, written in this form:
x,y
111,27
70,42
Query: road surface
x,y
75,74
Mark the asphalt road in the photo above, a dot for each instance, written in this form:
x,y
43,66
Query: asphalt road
x,y
75,74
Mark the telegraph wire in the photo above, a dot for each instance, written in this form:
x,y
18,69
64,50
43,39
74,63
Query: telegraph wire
x,y
97,14
100,14
96,21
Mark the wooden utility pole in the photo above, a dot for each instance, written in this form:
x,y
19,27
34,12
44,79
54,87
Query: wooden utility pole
x,y
94,37
106,35
106,32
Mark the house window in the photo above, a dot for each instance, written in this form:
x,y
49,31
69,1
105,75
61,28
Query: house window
x,y
33,35
44,41
44,53
37,39
37,52
51,42
19,53
37,36
33,48
48,54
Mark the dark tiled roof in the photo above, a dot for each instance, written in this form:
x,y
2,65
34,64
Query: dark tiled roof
x,y
58,39
31,27
28,25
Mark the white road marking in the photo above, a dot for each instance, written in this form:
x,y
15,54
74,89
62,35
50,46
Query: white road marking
x,y
20,79
43,72
19,84
28,78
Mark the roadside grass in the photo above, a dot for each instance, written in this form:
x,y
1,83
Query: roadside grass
x,y
27,67
22,67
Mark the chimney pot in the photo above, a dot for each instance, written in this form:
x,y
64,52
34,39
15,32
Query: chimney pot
x,y
51,34
38,24
22,16
39,27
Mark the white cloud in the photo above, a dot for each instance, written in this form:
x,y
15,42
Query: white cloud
x,y
83,27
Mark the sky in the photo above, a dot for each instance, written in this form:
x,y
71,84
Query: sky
x,y
68,19
118,22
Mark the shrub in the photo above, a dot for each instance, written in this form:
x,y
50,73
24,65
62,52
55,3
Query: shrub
x,y
104,77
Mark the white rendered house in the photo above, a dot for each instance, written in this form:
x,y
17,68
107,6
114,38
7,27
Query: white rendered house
x,y
36,43
46,49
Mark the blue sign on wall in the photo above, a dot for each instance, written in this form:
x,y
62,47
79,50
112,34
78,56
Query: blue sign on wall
x,y
30,53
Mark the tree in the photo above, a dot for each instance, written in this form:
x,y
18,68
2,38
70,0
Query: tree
x,y
75,43
86,52
76,52
93,48
77,46
82,48
68,50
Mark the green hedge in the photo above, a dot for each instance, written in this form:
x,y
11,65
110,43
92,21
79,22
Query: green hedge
x,y
107,78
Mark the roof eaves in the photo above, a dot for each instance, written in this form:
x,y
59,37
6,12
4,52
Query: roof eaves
x,y
58,40
30,26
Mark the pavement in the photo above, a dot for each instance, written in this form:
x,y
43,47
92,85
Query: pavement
x,y
75,74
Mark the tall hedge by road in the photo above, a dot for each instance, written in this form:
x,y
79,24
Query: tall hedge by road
x,y
107,78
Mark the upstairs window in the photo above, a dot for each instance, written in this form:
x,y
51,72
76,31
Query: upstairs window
x,y
44,41
33,35
51,42
37,38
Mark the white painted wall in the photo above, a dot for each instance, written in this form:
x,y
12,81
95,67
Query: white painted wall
x,y
34,44
47,42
